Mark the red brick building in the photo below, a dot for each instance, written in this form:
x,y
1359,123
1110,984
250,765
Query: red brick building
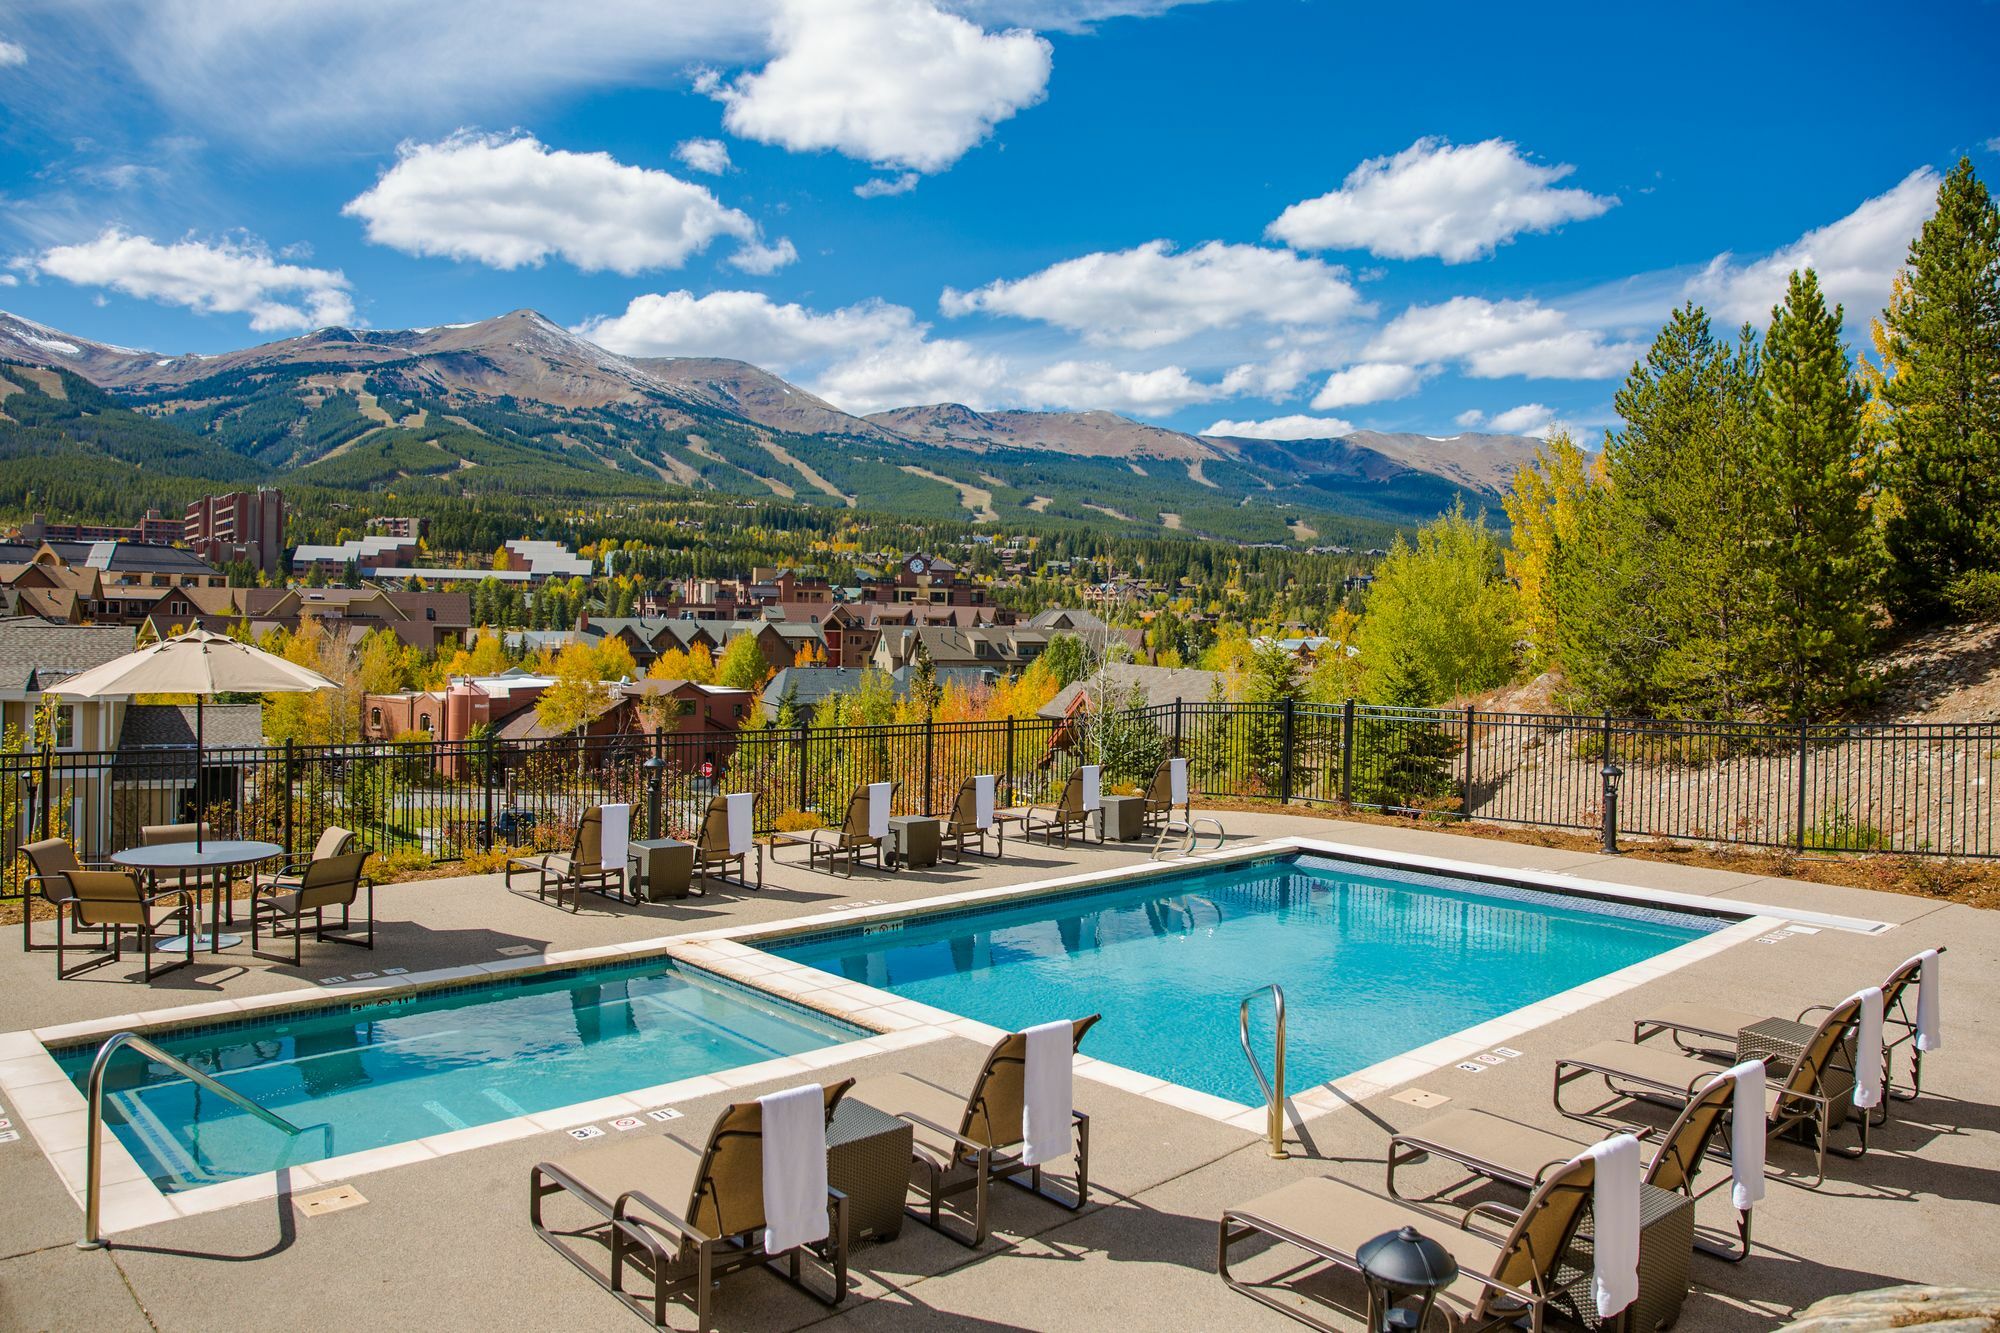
x,y
246,526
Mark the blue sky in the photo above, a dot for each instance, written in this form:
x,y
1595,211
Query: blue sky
x,y
1288,216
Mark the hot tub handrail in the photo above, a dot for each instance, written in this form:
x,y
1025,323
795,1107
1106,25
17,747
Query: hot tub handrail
x,y
1274,1096
94,1124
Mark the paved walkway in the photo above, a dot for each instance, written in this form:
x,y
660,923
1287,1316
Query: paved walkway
x,y
445,1242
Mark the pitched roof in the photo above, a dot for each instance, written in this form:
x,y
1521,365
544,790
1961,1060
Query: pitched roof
x,y
1161,685
36,653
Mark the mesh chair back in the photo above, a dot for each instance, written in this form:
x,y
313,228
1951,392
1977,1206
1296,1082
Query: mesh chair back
x,y
1528,1256
1810,1071
993,1113
107,898
728,1195
160,835
714,837
332,881
1680,1154
54,860
332,843
587,852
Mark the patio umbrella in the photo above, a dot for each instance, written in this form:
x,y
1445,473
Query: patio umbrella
x,y
200,663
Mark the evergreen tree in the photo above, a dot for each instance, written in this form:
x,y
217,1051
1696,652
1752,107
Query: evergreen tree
x,y
1943,340
1818,561
923,682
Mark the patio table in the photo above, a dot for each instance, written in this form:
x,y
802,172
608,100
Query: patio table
x,y
209,857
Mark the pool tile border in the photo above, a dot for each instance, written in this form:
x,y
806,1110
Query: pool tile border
x,y
52,1109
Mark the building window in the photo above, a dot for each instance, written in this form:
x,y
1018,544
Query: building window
x,y
423,722
739,711
65,723
374,717
430,613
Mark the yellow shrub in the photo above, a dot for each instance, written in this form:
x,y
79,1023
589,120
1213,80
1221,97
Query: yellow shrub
x,y
797,821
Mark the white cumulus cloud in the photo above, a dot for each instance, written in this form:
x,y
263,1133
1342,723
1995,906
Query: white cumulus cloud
x,y
881,187
12,53
1456,202
1151,295
1089,385
1368,382
1527,419
1855,257
708,156
1285,428
1494,339
895,82
227,277
915,369
749,326
512,201
1471,418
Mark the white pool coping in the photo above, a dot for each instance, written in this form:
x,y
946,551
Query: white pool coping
x,y
52,1108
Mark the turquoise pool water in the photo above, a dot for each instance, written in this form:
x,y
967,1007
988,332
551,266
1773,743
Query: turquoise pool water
x,y
407,1068
1373,961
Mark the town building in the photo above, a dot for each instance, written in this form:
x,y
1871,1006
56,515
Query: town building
x,y
1001,648
154,529
422,620
242,527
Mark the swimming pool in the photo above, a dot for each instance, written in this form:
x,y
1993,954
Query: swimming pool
x,y
411,1066
1374,961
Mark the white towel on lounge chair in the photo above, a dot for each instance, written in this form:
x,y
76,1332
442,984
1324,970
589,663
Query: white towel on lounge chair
x,y
982,801
615,836
1045,1092
1929,997
740,807
1746,1135
1177,786
1614,1208
1093,787
794,1167
878,808
1868,1049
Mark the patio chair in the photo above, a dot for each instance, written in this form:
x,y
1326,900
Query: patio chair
x,y
851,839
1715,1023
283,903
582,867
1503,1276
987,1144
963,822
194,881
713,847
1066,814
1495,1148
332,842
110,902
1160,802
1801,1098
718,1230
51,862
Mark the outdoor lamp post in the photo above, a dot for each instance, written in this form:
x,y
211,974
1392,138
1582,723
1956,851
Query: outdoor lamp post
x,y
655,769
1611,773
1403,1266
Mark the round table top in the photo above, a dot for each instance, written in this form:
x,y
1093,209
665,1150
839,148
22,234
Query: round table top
x,y
186,856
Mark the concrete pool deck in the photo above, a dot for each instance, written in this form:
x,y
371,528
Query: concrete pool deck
x,y
444,1239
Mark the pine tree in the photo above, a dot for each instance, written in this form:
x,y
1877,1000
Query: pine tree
x,y
1944,402
1818,561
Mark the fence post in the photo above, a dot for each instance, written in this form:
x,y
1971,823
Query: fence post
x,y
1288,732
805,766
290,776
930,760
1465,796
1177,728
486,767
1805,741
1347,754
49,795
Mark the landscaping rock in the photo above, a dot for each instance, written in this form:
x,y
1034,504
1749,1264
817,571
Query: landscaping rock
x,y
1933,1309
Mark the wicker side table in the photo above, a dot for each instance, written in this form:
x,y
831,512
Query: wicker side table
x,y
1779,1042
868,1160
1666,1247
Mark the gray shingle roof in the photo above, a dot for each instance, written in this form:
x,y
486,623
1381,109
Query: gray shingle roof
x,y
35,653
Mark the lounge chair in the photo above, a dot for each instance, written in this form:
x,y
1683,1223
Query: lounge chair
x,y
962,824
1800,1098
986,1144
852,839
1066,814
50,865
1495,1148
282,903
1715,1023
712,847
1160,804
717,1230
105,904
1503,1276
584,866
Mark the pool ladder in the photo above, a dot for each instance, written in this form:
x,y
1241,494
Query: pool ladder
x,y
1190,832
94,1100
1274,1087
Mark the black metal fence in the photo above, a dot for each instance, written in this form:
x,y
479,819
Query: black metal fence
x,y
1920,789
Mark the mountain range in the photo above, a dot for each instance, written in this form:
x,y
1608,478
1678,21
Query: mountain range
x,y
518,402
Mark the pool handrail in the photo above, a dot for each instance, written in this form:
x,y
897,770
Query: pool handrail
x,y
1274,1087
94,1131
